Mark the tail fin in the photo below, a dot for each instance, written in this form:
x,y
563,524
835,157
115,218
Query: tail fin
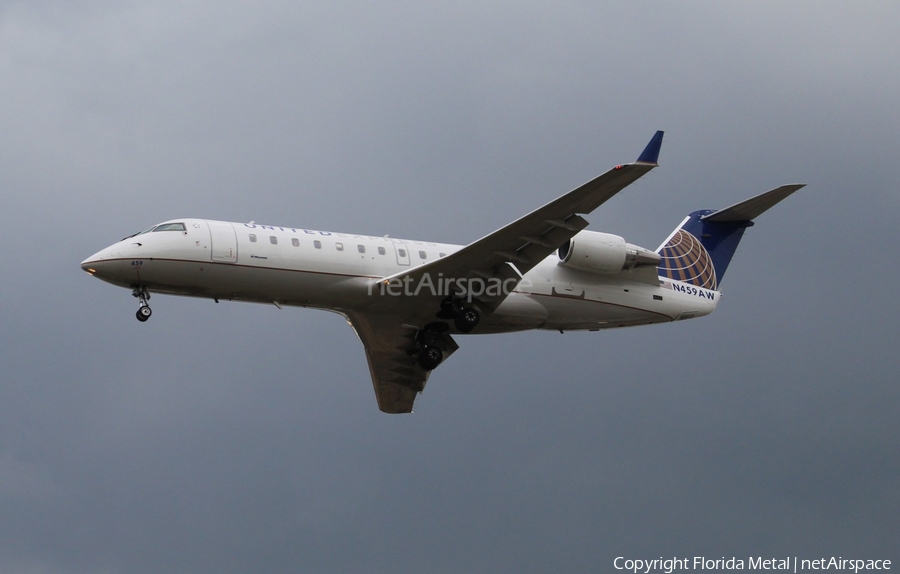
x,y
700,249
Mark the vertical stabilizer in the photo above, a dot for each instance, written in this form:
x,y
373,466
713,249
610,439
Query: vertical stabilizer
x,y
700,249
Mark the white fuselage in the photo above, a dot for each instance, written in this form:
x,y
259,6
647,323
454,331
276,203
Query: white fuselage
x,y
339,272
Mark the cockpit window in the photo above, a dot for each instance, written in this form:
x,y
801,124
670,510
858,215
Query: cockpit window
x,y
148,230
170,227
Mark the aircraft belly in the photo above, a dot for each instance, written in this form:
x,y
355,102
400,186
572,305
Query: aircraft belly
x,y
574,308
250,283
577,312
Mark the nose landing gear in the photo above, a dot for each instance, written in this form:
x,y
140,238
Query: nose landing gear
x,y
143,312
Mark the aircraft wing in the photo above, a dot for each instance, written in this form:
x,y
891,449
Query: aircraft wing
x,y
390,344
513,250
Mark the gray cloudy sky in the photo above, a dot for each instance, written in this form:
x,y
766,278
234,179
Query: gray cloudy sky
x,y
236,438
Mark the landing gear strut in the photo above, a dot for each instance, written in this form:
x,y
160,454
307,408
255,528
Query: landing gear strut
x,y
143,312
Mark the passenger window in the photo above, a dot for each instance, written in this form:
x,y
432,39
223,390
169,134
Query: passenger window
x,y
381,251
442,254
361,248
252,238
317,244
339,246
295,242
422,255
273,240
401,252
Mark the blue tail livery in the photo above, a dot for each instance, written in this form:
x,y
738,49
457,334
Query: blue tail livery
x,y
699,250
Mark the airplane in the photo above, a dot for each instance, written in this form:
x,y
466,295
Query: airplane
x,y
407,299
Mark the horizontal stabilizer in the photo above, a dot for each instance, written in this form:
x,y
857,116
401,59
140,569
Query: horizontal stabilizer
x,y
699,251
754,207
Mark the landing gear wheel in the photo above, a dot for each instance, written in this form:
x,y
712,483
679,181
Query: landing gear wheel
x,y
466,319
430,357
143,313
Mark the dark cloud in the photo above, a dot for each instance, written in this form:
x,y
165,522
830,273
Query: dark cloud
x,y
228,438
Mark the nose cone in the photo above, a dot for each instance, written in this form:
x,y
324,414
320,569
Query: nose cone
x,y
92,263
89,264
100,264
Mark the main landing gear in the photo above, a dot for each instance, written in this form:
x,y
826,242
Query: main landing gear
x,y
465,318
143,312
430,357
432,342
430,354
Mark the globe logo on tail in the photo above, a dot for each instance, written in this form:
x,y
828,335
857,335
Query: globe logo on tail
x,y
683,258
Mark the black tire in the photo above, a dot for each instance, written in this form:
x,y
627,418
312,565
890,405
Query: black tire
x,y
466,320
143,313
430,357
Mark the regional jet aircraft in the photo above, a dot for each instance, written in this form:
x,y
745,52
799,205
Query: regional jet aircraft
x,y
407,299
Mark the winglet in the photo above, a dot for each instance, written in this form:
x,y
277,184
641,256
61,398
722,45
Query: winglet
x,y
651,152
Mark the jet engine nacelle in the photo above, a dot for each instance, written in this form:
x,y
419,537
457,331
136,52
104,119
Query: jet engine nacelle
x,y
604,253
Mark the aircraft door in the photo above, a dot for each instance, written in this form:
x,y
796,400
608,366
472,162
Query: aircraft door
x,y
402,253
224,242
